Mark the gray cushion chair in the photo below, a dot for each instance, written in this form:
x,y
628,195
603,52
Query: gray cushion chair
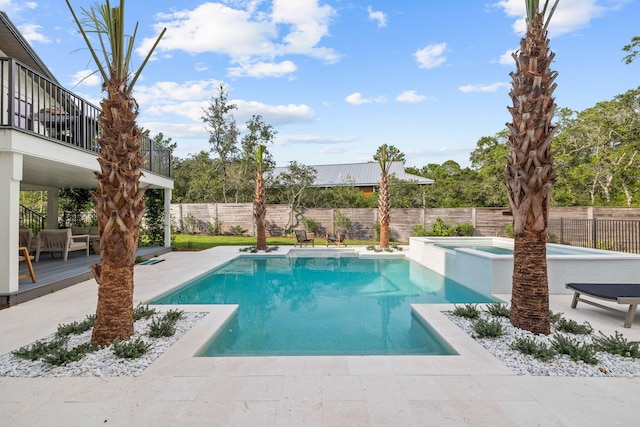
x,y
61,241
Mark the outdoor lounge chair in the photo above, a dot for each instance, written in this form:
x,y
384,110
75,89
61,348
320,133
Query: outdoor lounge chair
x,y
336,238
622,293
301,238
61,241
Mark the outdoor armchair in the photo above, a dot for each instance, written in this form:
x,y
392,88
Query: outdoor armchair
x,y
61,241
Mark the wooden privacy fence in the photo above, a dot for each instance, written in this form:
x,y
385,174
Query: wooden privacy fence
x,y
615,228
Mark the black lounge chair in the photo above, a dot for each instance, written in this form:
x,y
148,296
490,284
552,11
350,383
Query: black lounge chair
x,y
301,238
336,238
622,293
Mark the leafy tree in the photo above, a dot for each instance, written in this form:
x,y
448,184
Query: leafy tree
x,y
196,180
632,48
74,203
488,160
385,155
530,173
119,197
219,121
292,184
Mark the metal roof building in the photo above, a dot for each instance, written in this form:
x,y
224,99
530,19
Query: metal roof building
x,y
363,175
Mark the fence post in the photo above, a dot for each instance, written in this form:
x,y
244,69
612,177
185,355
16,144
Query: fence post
x,y
594,233
562,230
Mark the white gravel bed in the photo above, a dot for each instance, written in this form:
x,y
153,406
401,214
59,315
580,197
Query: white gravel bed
x,y
609,365
102,363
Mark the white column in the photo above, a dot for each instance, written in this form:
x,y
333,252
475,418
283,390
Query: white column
x,y
10,177
167,217
52,208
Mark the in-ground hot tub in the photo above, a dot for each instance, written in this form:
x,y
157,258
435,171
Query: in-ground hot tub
x,y
485,264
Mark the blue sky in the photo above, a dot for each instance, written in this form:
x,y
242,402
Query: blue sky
x,y
339,78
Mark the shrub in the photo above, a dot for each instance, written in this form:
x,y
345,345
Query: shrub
x,y
487,329
214,227
237,230
420,230
499,309
76,328
161,328
444,228
309,224
62,356
574,349
617,344
166,325
39,349
143,312
573,327
469,311
555,317
341,221
131,349
529,346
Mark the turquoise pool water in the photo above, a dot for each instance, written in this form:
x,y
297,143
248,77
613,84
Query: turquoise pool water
x,y
341,305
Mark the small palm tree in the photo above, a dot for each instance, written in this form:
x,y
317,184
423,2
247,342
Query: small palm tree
x,y
529,172
386,155
259,199
120,201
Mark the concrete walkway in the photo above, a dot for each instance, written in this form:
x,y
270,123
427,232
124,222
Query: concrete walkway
x,y
473,388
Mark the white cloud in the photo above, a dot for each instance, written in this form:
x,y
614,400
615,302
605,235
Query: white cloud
x,y
410,96
507,58
263,69
569,16
483,88
314,139
377,16
431,56
357,99
86,78
32,33
249,33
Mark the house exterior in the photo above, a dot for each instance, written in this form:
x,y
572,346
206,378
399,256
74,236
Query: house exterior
x,y
48,141
364,176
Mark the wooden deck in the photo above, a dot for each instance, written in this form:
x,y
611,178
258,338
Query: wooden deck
x,y
52,273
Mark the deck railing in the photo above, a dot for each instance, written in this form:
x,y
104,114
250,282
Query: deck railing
x,y
31,219
611,234
34,104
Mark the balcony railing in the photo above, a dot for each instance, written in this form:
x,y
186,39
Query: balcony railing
x,y
34,104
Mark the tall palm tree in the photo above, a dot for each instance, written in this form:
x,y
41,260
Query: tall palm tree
x,y
120,201
386,155
529,172
259,200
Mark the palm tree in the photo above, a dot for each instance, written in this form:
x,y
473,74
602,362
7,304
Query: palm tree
x,y
259,200
386,155
529,172
120,201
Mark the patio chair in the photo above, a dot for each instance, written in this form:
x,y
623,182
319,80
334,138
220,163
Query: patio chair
x,y
26,258
622,293
336,238
301,238
61,241
25,239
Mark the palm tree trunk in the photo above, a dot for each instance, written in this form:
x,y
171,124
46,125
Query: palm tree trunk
x,y
120,205
259,212
384,211
530,176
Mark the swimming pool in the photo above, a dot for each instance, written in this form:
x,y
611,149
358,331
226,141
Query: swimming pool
x,y
331,305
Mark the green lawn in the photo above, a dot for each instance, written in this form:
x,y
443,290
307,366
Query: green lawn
x,y
199,241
